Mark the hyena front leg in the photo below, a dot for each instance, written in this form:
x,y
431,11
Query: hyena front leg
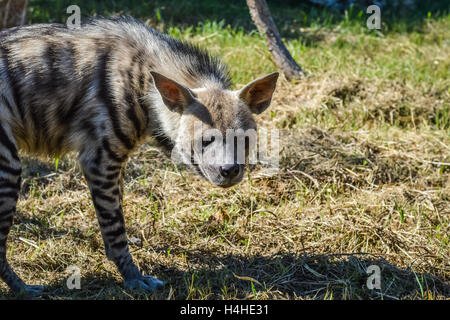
x,y
9,192
105,180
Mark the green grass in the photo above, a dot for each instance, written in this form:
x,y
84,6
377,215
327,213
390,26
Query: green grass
x,y
291,15
364,170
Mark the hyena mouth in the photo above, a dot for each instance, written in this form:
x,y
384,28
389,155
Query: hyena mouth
x,y
223,178
229,185
197,169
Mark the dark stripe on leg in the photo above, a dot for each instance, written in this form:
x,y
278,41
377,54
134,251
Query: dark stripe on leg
x,y
99,156
113,176
113,168
15,172
8,143
112,155
119,245
11,194
98,194
115,233
8,184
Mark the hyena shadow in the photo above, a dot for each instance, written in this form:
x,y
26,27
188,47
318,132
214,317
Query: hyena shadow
x,y
282,276
92,287
37,174
286,275
38,227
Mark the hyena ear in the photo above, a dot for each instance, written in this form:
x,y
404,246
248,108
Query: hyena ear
x,y
258,93
175,96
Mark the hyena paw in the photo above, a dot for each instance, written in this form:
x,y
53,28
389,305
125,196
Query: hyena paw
x,y
145,283
32,291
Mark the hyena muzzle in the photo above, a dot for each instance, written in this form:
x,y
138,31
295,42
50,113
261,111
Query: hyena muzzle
x,y
99,90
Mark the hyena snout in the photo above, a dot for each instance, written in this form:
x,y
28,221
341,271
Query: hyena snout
x,y
230,171
229,175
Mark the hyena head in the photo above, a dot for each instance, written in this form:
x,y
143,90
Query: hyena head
x,y
216,131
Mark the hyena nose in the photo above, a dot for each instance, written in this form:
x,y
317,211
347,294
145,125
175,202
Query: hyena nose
x,y
230,170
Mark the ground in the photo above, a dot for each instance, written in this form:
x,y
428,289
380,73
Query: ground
x,y
363,180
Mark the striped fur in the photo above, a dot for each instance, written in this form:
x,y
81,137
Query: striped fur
x,y
92,91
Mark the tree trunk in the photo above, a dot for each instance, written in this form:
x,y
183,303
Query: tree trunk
x,y
266,26
13,13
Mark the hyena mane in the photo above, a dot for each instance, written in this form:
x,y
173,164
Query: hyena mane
x,y
56,79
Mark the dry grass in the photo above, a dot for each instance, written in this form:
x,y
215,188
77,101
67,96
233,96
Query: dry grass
x,y
364,179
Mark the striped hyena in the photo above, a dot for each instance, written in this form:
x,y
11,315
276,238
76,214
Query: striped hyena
x,y
99,90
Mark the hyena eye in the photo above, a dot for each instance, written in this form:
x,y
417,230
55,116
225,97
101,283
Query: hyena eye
x,y
206,143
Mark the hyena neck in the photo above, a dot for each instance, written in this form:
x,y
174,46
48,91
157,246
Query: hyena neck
x,y
163,122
